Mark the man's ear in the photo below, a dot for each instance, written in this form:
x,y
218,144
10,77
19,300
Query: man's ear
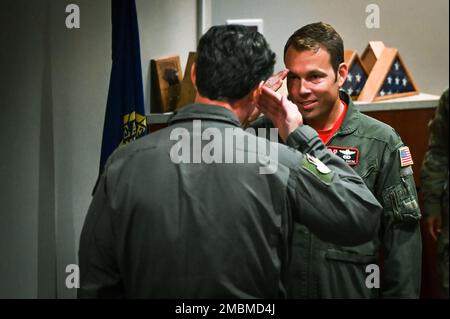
x,y
194,75
342,74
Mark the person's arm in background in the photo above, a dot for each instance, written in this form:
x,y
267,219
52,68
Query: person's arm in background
x,y
400,228
435,167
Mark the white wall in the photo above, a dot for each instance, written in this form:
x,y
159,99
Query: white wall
x,y
21,64
53,90
167,27
419,29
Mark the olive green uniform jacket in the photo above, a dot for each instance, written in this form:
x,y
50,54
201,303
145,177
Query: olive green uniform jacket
x,y
323,270
167,223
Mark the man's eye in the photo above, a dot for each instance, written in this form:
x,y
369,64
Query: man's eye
x,y
292,77
314,78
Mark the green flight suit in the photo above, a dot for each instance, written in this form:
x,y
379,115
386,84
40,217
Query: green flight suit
x,y
159,227
323,270
435,174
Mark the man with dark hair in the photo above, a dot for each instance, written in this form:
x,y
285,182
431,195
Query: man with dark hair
x,y
165,223
314,56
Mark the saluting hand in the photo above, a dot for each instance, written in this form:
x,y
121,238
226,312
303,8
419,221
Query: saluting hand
x,y
276,80
274,83
283,113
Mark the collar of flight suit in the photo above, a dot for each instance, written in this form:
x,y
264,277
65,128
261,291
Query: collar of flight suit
x,y
351,120
208,112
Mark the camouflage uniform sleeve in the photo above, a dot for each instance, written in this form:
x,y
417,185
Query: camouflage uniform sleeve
x,y
400,229
327,195
435,164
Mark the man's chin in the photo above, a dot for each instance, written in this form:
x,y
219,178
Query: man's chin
x,y
307,114
309,117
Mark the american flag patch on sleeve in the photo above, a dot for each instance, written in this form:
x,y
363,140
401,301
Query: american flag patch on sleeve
x,y
405,156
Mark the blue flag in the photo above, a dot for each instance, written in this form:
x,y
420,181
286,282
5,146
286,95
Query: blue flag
x,y
125,116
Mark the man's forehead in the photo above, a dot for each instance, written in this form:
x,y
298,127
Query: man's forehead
x,y
310,59
314,52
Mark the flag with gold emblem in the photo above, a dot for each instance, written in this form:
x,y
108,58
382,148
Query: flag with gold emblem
x,y
125,116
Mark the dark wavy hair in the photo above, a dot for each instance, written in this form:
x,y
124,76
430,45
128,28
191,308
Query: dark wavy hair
x,y
316,35
231,61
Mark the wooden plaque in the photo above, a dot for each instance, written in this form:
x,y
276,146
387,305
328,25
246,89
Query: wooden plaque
x,y
166,83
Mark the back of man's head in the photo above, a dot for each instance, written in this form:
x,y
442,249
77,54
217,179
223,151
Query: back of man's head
x,y
315,36
231,61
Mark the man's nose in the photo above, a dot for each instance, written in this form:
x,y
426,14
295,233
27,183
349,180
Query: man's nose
x,y
304,88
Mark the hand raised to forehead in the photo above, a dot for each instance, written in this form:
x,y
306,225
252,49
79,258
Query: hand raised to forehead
x,y
283,113
276,80
274,83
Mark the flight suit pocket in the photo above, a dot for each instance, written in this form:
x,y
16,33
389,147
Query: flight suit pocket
x,y
345,275
368,173
350,257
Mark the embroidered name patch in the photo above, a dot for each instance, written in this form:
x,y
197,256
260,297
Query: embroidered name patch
x,y
349,154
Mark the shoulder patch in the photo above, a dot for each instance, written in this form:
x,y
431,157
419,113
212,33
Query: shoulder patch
x,y
318,169
405,156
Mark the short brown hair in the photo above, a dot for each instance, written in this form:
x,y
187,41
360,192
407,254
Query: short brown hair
x,y
316,35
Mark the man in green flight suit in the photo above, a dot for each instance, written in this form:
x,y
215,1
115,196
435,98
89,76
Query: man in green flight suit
x,y
166,222
435,187
314,57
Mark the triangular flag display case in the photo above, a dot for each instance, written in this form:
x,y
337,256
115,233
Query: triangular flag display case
x,y
188,91
388,78
371,54
357,74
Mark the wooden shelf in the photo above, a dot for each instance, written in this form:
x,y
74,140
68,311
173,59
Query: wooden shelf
x,y
420,101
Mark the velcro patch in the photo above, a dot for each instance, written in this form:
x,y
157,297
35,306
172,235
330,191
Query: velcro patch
x,y
349,154
405,156
318,169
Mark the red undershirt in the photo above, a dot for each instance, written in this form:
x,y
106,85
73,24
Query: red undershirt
x,y
325,135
